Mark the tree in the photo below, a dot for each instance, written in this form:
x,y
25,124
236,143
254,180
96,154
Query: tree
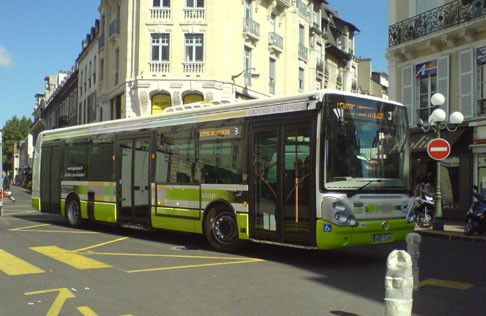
x,y
14,131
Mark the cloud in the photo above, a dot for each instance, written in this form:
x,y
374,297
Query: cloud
x,y
6,59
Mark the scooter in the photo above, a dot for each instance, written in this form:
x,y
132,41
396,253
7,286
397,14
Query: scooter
x,y
424,210
476,215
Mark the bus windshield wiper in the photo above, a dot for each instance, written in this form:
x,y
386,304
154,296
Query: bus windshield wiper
x,y
368,182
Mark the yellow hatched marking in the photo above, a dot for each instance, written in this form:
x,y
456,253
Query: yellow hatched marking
x,y
68,257
12,265
230,260
447,284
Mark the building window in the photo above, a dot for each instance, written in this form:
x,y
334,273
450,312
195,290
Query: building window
x,y
161,3
193,97
117,61
271,77
160,102
482,88
301,79
194,47
160,47
426,75
247,66
195,3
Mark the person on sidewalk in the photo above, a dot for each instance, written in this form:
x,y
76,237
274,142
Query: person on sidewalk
x,y
6,181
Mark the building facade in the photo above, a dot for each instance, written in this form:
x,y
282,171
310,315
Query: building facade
x,y
141,57
440,46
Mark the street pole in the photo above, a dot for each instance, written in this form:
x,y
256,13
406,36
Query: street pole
x,y
438,194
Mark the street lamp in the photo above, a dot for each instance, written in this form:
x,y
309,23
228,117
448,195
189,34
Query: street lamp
x,y
247,70
437,122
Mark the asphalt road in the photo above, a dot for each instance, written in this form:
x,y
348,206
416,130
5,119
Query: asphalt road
x,y
48,268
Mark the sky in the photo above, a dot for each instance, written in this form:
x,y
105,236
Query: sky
x,y
42,37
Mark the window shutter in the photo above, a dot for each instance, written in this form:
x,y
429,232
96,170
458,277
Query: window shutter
x,y
443,80
466,87
407,92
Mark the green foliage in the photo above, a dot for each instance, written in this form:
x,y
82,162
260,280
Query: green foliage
x,y
14,131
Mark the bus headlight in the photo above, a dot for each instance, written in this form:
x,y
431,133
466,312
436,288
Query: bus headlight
x,y
335,211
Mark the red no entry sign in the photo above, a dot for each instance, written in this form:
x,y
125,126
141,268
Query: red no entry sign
x,y
439,149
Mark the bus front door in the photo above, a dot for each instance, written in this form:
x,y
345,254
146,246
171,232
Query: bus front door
x,y
133,183
281,208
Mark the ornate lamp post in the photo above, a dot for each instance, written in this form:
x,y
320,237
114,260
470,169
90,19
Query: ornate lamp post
x,y
437,122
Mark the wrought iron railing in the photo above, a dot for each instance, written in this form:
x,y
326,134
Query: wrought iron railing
x,y
445,16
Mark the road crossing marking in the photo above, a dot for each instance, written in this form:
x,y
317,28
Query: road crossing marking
x,y
12,265
447,284
70,258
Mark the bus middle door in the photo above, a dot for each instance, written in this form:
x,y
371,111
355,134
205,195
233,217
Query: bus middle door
x,y
134,180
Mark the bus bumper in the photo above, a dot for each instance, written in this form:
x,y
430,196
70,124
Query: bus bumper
x,y
330,236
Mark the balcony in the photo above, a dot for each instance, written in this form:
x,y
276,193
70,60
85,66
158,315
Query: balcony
x,y
163,15
251,29
275,43
160,67
193,67
440,18
194,15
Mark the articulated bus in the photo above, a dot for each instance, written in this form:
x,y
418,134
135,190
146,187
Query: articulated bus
x,y
320,170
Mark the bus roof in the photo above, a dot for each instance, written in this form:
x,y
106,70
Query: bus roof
x,y
182,114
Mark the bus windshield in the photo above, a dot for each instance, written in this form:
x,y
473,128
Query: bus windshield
x,y
365,144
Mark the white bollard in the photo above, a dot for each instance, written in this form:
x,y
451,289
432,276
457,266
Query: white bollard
x,y
413,248
398,284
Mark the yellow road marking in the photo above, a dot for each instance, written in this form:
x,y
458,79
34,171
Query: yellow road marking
x,y
101,244
86,311
195,266
447,284
170,256
12,265
27,227
61,298
70,258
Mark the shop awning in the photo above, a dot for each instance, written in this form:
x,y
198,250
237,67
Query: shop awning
x,y
419,142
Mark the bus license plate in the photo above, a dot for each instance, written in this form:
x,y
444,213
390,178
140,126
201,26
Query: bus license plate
x,y
382,237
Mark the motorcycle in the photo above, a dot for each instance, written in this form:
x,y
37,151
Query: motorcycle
x,y
476,215
425,206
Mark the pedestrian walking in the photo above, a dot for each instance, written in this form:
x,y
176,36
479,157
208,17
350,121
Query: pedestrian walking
x,y
6,181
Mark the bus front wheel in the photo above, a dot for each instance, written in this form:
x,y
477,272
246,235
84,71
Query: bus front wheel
x,y
73,212
221,230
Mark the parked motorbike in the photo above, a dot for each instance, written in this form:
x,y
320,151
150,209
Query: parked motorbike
x,y
425,206
476,215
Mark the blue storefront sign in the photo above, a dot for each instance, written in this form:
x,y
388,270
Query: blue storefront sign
x,y
426,69
481,55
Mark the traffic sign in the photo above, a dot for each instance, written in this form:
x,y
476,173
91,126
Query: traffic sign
x,y
439,149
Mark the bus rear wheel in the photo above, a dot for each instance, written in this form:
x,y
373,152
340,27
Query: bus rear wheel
x,y
73,212
221,230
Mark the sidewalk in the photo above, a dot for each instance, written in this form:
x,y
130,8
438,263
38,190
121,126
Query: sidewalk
x,y
453,230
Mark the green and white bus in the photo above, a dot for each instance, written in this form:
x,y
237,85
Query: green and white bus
x,y
320,170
